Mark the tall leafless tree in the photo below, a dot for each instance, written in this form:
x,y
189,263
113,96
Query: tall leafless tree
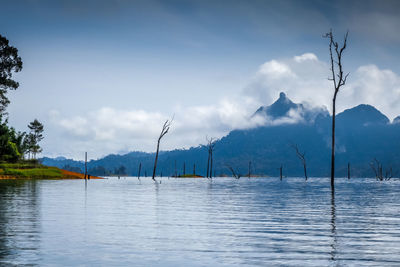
x,y
302,157
164,131
339,79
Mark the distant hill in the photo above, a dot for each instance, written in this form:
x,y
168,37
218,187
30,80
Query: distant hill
x,y
363,133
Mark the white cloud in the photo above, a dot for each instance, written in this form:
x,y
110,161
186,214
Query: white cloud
x,y
276,70
371,85
308,83
305,57
304,79
110,130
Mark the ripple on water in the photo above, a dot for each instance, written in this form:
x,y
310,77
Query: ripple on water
x,y
200,223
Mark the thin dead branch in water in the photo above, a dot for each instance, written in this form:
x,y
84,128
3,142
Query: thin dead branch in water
x,y
234,174
302,157
164,131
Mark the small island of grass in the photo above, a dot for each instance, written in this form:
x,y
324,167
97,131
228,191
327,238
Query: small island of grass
x,y
190,176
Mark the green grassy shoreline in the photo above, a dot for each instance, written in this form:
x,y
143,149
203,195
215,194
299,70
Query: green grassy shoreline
x,y
29,171
34,170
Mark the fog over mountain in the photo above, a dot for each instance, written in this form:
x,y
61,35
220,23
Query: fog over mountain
x,y
363,134
285,111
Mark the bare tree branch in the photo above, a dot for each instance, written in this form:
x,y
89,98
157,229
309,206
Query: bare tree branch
x,y
377,167
234,174
302,157
335,53
164,131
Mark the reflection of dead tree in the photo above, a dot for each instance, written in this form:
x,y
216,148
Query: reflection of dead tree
x,y
210,148
339,79
164,131
302,158
376,166
234,174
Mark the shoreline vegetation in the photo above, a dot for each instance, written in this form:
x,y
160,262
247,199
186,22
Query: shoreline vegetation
x,y
189,176
30,170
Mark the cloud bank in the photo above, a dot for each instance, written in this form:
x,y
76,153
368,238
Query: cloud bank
x,y
303,78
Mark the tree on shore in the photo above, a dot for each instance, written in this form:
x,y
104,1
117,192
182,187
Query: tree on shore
x,y
10,63
339,79
34,137
12,145
8,149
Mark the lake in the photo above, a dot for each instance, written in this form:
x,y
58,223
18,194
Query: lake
x,y
196,222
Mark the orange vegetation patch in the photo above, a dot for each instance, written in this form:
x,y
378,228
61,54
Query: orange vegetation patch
x,y
6,177
190,176
75,175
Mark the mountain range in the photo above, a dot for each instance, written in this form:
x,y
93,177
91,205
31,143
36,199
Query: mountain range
x,y
363,134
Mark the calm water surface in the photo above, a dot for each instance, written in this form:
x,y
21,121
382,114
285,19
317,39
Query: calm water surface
x,y
195,222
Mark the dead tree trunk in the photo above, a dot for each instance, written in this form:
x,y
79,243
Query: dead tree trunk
x,y
348,170
249,174
194,169
234,174
211,164
140,168
176,172
208,163
305,170
338,79
85,165
184,168
280,172
302,158
389,174
377,169
164,131
210,148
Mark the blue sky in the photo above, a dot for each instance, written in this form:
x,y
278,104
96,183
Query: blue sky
x,y
102,75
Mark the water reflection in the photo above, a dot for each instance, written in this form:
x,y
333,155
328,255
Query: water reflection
x,y
333,225
196,222
19,221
